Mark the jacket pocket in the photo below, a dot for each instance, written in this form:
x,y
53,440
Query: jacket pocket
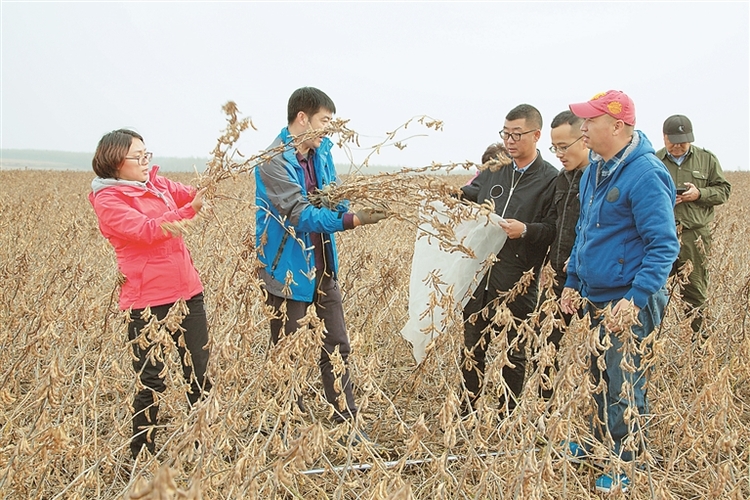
x,y
700,177
604,260
559,196
132,287
609,272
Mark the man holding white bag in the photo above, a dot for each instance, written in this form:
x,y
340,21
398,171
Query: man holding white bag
x,y
523,196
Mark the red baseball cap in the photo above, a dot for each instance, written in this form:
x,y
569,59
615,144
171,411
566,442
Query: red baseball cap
x,y
613,103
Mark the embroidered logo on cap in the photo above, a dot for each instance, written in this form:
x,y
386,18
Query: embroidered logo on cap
x,y
614,107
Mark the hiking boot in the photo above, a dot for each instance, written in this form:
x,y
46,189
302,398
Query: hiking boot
x,y
355,438
607,483
575,453
358,438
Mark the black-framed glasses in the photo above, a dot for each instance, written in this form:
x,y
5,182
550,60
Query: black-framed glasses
x,y
142,159
516,136
562,149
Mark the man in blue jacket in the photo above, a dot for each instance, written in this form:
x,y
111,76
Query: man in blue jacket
x,y
294,237
626,243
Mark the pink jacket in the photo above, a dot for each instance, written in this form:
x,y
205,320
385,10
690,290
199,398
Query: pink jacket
x,y
157,266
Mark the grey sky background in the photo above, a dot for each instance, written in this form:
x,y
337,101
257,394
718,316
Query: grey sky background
x,y
74,71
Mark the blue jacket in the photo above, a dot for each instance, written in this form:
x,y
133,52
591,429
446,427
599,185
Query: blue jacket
x,y
285,218
626,239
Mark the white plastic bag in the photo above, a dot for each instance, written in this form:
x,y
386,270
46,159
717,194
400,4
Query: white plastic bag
x,y
458,272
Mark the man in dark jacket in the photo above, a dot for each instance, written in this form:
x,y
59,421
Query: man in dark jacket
x,y
523,195
574,156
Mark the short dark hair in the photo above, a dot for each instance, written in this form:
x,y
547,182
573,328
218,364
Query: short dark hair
x,y
111,151
309,100
527,111
568,117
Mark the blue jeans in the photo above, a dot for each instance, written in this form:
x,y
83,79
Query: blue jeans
x,y
610,404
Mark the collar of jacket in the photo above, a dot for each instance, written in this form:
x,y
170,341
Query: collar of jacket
x,y
637,147
575,173
290,154
129,188
534,165
663,153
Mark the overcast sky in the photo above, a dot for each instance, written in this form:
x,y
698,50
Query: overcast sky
x,y
74,71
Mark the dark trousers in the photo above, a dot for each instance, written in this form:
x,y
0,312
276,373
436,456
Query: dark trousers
x,y
329,308
695,291
147,366
555,336
478,335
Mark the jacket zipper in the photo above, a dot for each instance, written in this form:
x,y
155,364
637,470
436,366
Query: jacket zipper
x,y
565,210
584,225
278,254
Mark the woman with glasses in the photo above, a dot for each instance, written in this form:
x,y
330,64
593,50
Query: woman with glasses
x,y
132,203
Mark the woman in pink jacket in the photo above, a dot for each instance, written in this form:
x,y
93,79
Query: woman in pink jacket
x,y
132,203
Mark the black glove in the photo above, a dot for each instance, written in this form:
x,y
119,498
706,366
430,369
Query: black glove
x,y
371,215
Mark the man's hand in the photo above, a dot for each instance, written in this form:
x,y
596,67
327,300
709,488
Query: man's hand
x,y
323,202
513,228
321,198
691,194
569,300
456,193
369,215
197,202
624,315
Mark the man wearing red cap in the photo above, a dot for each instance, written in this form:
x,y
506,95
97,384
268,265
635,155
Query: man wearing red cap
x,y
626,243
701,185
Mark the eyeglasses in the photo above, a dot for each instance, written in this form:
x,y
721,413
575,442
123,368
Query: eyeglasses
x,y
142,159
562,149
516,136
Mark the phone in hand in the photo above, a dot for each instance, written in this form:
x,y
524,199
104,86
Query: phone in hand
x,y
681,190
